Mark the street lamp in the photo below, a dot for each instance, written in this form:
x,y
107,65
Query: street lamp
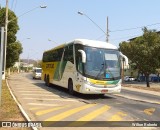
x,y
6,29
81,13
42,6
52,41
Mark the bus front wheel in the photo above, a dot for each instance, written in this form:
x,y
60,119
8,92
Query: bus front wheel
x,y
70,87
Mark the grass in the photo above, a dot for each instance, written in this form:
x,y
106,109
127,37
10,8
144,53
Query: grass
x,y
9,110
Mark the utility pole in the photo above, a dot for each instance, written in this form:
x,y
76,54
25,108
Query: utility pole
x,y
5,41
1,60
107,36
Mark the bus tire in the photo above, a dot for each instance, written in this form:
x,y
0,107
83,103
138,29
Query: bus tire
x,y
101,95
47,81
70,87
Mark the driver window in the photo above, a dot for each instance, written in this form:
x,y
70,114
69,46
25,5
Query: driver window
x,y
79,64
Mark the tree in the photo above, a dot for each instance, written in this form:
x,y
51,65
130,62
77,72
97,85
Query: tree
x,y
13,52
158,74
144,52
38,63
14,49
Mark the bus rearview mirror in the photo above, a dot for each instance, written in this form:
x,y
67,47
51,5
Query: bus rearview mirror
x,y
125,58
83,55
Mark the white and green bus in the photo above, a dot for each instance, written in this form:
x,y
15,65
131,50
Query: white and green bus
x,y
84,66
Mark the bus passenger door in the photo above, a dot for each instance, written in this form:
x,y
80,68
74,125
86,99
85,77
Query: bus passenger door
x,y
68,63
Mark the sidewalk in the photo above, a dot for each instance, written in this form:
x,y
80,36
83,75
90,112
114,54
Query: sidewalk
x,y
143,84
141,87
138,92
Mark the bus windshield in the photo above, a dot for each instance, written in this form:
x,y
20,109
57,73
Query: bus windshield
x,y
102,64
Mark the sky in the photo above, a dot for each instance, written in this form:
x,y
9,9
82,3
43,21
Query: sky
x,y
44,28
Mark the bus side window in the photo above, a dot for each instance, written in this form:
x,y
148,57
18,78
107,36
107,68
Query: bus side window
x,y
68,54
78,58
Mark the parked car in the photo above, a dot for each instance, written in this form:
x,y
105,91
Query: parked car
x,y
129,78
37,73
155,79
141,79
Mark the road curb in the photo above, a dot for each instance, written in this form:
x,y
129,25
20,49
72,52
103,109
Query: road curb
x,y
19,105
142,91
135,99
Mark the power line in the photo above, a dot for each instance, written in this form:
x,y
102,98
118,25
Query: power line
x,y
15,5
126,37
12,4
119,30
130,36
134,28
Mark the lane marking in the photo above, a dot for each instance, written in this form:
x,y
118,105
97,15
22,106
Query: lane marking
x,y
34,108
85,119
39,113
27,91
118,116
94,114
69,113
38,94
157,102
149,111
72,100
30,88
40,104
19,105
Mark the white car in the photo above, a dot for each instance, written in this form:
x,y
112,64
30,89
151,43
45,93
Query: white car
x,y
37,73
129,78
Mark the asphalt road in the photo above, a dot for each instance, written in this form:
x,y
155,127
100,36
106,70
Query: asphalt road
x,y
55,104
138,110
140,95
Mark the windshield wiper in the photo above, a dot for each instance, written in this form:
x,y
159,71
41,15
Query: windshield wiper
x,y
96,77
113,78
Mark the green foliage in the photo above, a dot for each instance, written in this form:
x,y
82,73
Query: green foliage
x,y
12,24
144,51
38,63
14,49
13,52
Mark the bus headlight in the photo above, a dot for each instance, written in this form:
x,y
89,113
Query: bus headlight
x,y
87,82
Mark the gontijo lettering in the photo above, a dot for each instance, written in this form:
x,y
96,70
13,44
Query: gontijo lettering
x,y
49,65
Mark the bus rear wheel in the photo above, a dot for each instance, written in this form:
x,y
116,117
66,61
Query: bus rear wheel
x,y
47,82
70,87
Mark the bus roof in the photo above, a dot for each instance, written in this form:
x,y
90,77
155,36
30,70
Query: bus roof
x,y
57,47
95,43
92,43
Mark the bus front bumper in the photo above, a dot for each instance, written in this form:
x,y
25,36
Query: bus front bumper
x,y
88,89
